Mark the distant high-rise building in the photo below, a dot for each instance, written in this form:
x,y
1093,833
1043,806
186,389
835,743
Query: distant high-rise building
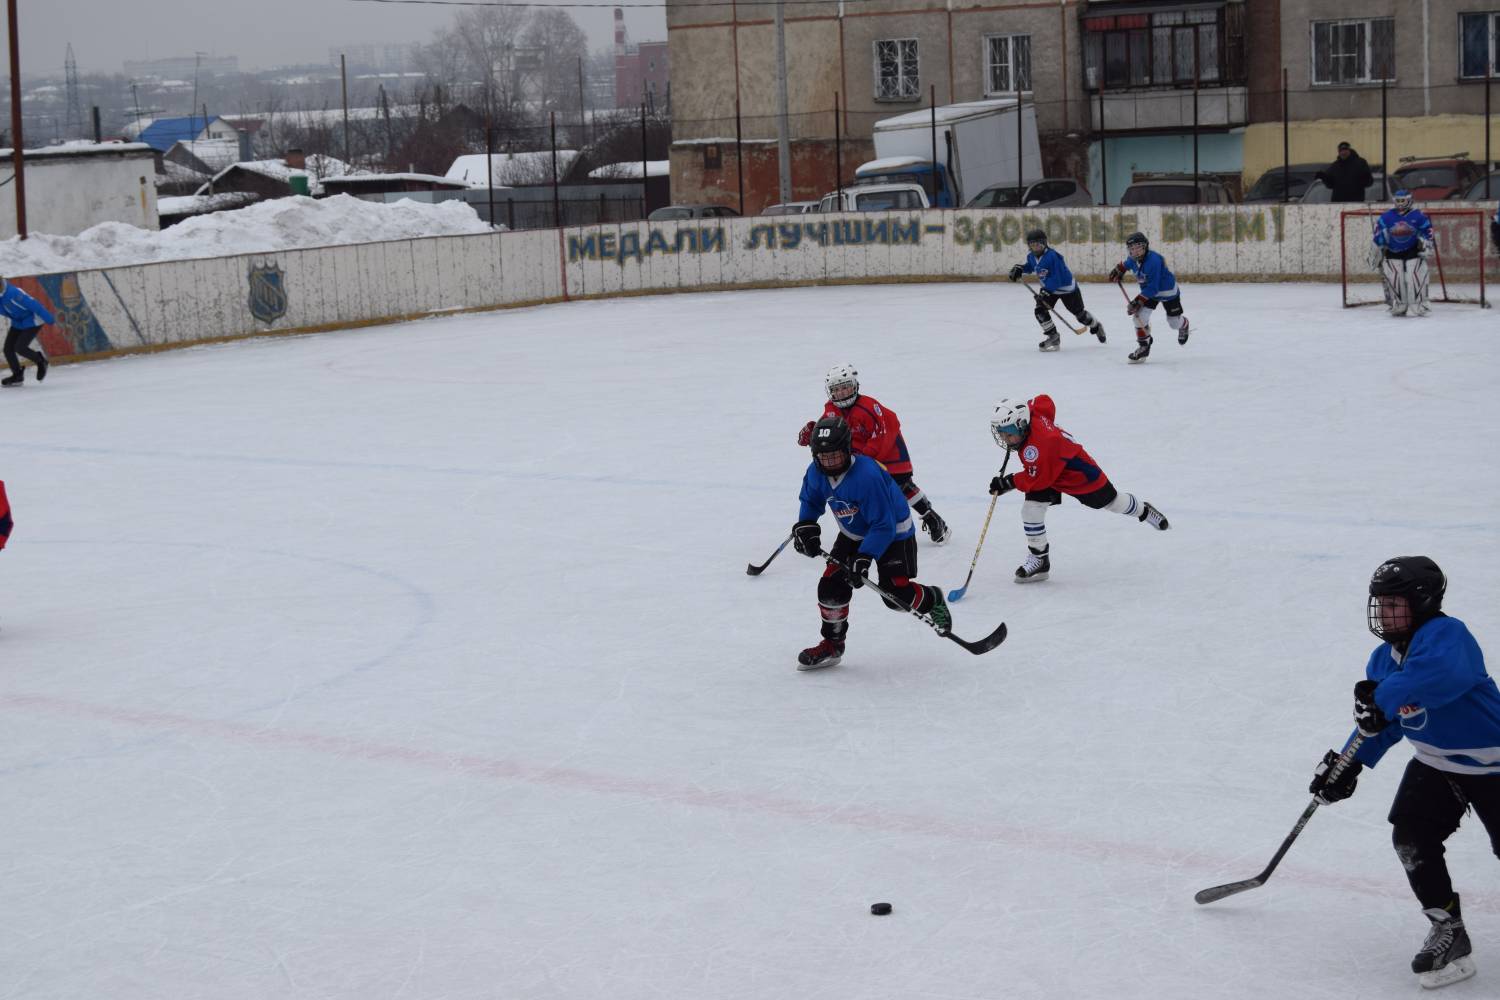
x,y
182,67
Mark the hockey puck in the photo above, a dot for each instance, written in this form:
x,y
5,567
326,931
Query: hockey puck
x,y
880,909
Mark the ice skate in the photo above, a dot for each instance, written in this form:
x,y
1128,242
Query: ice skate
x,y
1446,942
825,654
11,380
1097,329
1052,343
1150,515
1182,333
1142,348
939,613
936,527
1036,567
42,364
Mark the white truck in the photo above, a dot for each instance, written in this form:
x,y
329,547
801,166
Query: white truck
x,y
875,198
979,144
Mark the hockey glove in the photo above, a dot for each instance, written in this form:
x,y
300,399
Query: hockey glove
x,y
1118,274
807,538
858,570
1001,485
1016,272
1135,305
805,434
1426,249
1367,715
1328,792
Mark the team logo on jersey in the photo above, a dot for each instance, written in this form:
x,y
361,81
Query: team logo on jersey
x,y
1413,717
267,294
1029,454
843,509
1403,229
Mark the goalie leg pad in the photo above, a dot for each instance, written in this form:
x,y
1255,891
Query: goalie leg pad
x,y
1417,274
1394,275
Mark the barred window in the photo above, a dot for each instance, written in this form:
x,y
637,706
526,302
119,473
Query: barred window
x,y
896,70
1479,39
1354,51
1007,63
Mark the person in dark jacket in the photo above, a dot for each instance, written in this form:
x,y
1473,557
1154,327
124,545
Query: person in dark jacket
x,y
1348,176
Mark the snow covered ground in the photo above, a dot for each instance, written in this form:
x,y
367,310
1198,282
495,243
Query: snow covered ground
x,y
281,224
421,662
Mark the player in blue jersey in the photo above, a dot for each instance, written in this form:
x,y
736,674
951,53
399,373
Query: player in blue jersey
x,y
1404,236
1057,284
27,316
1426,681
875,527
1158,287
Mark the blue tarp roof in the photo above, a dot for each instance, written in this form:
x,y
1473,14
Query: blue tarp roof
x,y
162,133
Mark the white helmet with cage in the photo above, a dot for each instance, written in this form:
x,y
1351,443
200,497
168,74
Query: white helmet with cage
x,y
842,384
1010,420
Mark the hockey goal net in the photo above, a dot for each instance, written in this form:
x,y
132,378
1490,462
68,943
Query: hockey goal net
x,y
1458,271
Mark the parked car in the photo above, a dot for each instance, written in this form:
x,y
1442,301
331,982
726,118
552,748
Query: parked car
x,y
1438,179
1318,193
875,198
1176,191
1054,192
1295,177
670,212
1476,192
790,208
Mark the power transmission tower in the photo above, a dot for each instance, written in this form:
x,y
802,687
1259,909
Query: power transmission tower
x,y
73,126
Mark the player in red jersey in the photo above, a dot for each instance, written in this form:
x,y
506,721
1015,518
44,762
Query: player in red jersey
x,y
5,522
1052,464
877,434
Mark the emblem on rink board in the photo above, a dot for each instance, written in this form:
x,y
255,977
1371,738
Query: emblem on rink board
x,y
267,293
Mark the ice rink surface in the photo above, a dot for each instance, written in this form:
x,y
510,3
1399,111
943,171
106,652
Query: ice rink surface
x,y
420,662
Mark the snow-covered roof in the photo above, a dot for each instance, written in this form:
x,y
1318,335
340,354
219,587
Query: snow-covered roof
x,y
511,169
946,114
318,166
892,163
216,154
631,168
198,204
80,147
380,178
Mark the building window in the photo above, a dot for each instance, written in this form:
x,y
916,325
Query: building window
x,y
1171,48
1354,51
1479,38
896,70
1007,63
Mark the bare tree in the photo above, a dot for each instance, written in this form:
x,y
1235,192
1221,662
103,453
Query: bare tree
x,y
562,43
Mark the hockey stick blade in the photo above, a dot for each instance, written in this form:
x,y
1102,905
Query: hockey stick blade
x,y
958,595
984,645
754,570
1218,892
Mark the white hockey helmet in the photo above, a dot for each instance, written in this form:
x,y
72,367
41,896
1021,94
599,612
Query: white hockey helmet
x,y
1010,420
842,384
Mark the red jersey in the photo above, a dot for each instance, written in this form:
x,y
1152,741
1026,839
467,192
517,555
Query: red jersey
x,y
876,432
5,522
1052,460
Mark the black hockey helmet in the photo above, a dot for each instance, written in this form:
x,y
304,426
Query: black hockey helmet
x,y
1134,240
832,445
1405,593
1036,236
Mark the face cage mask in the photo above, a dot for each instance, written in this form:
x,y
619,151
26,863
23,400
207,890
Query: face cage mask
x,y
1395,625
843,402
1403,205
1132,248
998,432
846,460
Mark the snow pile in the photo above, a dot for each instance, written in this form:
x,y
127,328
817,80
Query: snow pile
x,y
280,224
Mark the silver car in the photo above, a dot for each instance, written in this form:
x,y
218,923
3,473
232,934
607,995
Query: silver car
x,y
1054,192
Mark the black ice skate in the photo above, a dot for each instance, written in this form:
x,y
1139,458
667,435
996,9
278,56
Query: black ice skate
x,y
1142,348
1036,567
11,380
825,654
936,527
1097,329
1052,343
1444,957
1150,515
42,364
1182,333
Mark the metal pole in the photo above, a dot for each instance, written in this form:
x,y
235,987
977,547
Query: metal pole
x,y
582,121
1103,154
783,142
739,153
1488,162
1385,167
344,82
644,170
932,101
489,167
1020,159
98,130
15,124
1196,195
1286,145
838,150
556,200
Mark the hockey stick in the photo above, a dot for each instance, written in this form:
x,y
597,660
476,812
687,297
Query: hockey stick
x,y
977,647
1052,308
1218,892
1442,278
755,570
958,595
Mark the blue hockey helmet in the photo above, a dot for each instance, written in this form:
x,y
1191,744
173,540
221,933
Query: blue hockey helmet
x,y
1403,200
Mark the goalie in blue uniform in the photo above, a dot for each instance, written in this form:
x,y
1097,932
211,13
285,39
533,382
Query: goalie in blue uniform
x,y
1403,239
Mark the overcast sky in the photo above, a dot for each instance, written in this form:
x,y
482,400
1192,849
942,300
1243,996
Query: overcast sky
x,y
262,33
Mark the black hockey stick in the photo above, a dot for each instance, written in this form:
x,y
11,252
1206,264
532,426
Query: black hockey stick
x,y
1218,892
754,570
958,595
1052,308
978,647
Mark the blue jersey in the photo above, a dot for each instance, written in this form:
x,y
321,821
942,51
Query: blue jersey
x,y
1440,698
1152,274
1052,269
866,503
1399,232
23,311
